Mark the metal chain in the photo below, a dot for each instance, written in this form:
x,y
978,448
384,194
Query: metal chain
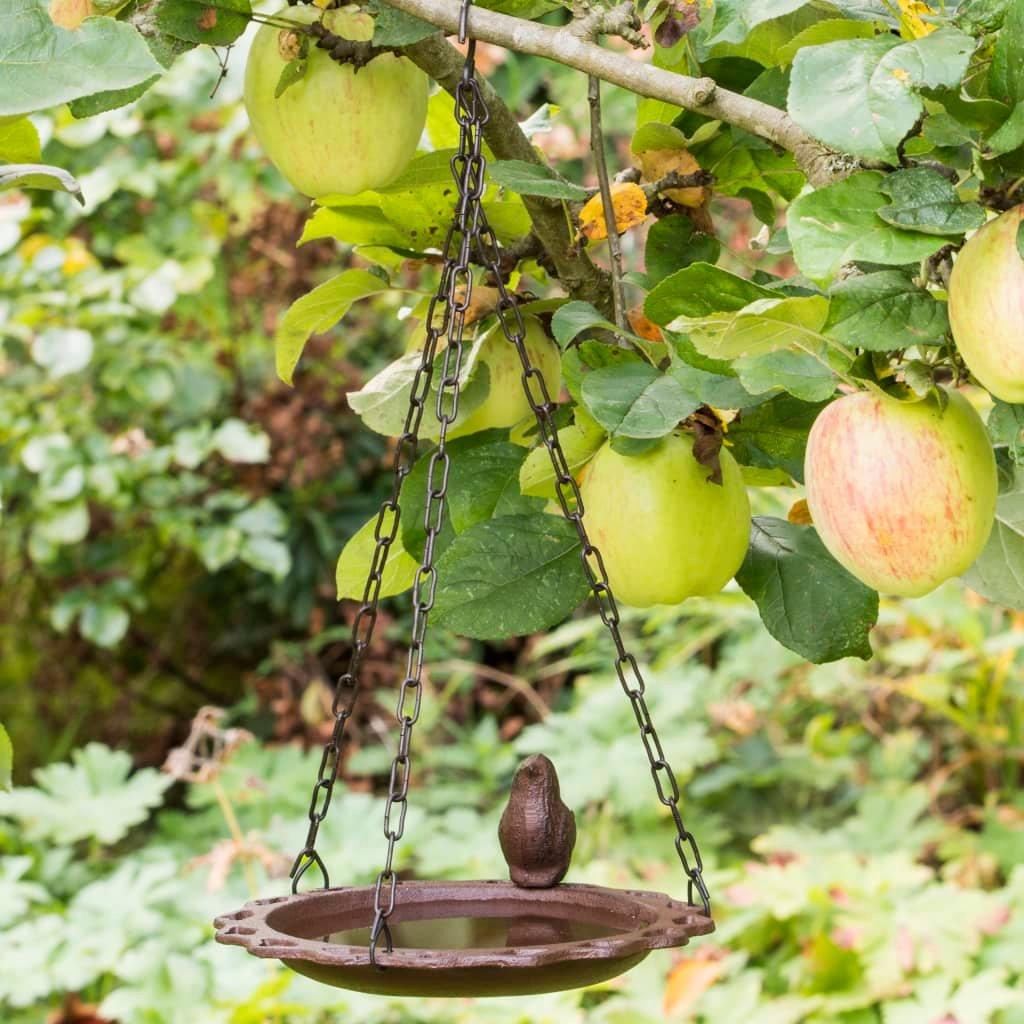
x,y
446,319
568,493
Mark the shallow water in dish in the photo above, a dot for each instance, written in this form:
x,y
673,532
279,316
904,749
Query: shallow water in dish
x,y
481,932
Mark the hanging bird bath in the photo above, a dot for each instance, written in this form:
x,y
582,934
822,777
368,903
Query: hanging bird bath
x,y
489,938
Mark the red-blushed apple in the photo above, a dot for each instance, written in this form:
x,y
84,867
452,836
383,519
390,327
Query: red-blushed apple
x,y
902,494
986,306
335,130
665,531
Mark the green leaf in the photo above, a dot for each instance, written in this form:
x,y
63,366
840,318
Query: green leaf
x,y
798,373
839,224
107,797
1006,76
1006,427
19,141
711,381
393,27
773,435
1009,135
42,65
572,319
355,559
636,400
6,760
382,403
765,325
861,96
484,484
736,19
924,200
828,31
294,71
528,179
579,441
673,243
766,38
51,179
883,311
510,577
701,290
319,311
1020,241
998,573
218,23
807,600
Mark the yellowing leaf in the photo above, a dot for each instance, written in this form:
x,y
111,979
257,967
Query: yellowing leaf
x,y
912,23
630,206
688,981
800,513
656,163
70,13
643,327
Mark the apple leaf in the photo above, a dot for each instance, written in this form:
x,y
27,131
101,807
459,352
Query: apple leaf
x,y
318,311
383,402
923,200
701,290
801,374
807,600
673,243
102,53
765,325
1009,135
1006,427
773,435
998,572
355,560
51,179
636,400
217,23
828,31
392,27
839,224
19,142
883,311
572,319
1006,75
862,96
484,484
736,19
510,576
1020,240
528,179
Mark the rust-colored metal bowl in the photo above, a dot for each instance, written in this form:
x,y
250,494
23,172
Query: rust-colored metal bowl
x,y
465,938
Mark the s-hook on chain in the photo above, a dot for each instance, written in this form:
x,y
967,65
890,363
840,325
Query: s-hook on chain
x,y
446,318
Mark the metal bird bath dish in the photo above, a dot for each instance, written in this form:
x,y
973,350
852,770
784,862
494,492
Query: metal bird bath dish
x,y
489,938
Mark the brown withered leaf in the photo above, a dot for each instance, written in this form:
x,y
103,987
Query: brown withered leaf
x,y
800,514
74,1011
707,444
643,327
630,206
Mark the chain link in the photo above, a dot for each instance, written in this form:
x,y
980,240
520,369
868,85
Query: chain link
x,y
446,316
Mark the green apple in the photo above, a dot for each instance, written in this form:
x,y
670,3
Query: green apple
x,y
986,306
901,493
664,530
506,402
335,130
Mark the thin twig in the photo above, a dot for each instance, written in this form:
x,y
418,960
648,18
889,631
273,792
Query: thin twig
x,y
601,164
493,675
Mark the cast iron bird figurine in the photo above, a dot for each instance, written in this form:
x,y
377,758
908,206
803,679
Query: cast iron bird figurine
x,y
537,831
